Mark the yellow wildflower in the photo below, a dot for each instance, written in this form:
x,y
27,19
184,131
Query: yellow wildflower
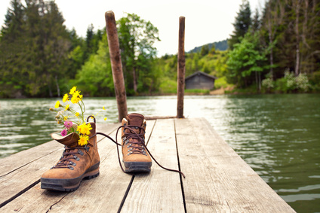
x,y
50,109
57,104
65,118
84,129
67,107
103,108
77,114
105,119
76,97
83,140
65,98
73,90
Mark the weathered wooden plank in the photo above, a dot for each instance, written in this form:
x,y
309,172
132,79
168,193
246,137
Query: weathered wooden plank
x,y
20,159
161,189
101,194
107,192
16,181
158,117
217,179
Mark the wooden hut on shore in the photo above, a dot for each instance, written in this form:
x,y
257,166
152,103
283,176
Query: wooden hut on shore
x,y
200,80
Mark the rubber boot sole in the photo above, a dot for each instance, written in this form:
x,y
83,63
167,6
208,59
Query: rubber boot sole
x,y
137,166
69,184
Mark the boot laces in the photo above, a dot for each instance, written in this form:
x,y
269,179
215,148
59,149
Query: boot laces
x,y
134,141
68,155
136,147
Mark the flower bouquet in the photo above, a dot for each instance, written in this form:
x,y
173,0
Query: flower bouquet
x,y
73,122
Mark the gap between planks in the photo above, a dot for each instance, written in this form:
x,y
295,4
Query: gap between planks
x,y
23,187
159,190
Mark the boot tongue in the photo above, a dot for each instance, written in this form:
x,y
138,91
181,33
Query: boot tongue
x,y
135,119
71,140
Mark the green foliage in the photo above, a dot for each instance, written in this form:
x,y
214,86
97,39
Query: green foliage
x,y
34,49
219,45
268,83
197,92
95,76
314,80
244,59
137,37
290,83
241,25
204,50
168,86
221,83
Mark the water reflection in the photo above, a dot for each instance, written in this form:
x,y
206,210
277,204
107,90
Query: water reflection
x,y
277,135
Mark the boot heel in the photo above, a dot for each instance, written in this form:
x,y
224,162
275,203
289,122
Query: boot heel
x,y
92,174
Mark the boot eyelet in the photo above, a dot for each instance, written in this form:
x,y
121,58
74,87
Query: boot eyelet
x,y
76,158
80,152
70,167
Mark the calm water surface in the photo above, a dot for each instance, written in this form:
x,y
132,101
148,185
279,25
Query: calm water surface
x,y
277,135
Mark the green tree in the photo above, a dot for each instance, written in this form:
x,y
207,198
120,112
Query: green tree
x,y
241,25
247,61
204,50
137,37
256,23
49,43
13,23
11,48
95,76
213,49
36,59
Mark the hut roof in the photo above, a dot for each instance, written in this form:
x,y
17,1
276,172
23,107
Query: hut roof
x,y
200,73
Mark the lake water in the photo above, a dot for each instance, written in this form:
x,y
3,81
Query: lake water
x,y
277,135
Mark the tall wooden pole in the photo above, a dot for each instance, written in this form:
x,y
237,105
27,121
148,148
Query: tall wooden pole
x,y
181,67
116,65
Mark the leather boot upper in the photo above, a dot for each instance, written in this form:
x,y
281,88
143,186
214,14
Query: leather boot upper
x,y
79,160
133,150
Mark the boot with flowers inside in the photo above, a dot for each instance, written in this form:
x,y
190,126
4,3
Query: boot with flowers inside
x,y
80,159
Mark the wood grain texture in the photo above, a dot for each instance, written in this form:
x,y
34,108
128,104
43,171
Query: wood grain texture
x,y
19,179
160,190
116,65
181,68
20,159
104,193
101,194
217,179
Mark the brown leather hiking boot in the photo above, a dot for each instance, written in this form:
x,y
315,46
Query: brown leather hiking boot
x,y
77,163
135,156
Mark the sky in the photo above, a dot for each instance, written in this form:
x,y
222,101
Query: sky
x,y
206,21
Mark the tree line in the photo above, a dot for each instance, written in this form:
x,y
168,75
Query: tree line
x,y
277,49
273,51
41,58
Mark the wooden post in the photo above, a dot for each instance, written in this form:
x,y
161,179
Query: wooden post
x,y
116,65
181,68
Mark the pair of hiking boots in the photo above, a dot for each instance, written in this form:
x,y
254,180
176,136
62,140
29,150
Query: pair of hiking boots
x,y
82,162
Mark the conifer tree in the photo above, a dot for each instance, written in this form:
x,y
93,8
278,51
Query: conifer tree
x,y
11,48
242,24
35,47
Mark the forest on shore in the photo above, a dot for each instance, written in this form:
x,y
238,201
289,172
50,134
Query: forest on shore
x,y
274,51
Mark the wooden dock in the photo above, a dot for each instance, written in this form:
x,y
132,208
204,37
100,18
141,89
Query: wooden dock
x,y
217,179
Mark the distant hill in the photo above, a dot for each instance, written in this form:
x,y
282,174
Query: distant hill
x,y
220,45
